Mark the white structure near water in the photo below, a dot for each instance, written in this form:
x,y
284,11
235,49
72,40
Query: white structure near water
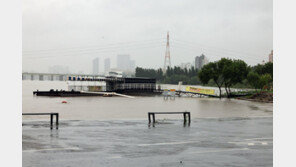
x,y
89,86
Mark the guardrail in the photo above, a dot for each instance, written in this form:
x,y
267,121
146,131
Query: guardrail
x,y
186,113
51,118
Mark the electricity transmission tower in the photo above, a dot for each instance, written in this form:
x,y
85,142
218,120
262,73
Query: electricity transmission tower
x,y
167,58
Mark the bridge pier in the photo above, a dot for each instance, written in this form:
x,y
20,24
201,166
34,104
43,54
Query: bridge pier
x,y
41,77
61,78
46,77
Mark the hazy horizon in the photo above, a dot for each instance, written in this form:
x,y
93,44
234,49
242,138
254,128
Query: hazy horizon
x,y
73,33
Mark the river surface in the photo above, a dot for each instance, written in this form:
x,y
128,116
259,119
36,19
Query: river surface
x,y
121,108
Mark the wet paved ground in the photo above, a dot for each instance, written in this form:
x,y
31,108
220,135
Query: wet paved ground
x,y
206,142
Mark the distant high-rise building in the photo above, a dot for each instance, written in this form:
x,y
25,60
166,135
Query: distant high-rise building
x,y
133,64
200,61
124,63
107,64
270,57
95,66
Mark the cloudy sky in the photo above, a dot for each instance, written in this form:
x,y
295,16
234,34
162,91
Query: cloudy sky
x,y
73,32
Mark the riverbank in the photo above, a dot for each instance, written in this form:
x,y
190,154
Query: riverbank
x,y
102,108
263,96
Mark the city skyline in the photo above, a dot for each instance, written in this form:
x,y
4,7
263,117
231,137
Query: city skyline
x,y
125,63
95,66
107,65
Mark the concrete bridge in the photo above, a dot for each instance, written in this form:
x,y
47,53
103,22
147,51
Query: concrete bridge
x,y
53,77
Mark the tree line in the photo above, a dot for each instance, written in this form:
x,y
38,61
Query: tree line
x,y
225,73
172,75
229,72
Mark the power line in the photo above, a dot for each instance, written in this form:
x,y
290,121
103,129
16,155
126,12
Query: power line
x,y
75,54
216,48
209,54
151,43
93,50
90,46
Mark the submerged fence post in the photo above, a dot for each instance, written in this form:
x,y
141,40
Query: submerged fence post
x,y
184,115
57,121
51,121
149,118
189,117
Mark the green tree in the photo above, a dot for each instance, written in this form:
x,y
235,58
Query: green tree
x,y
254,80
267,68
234,72
265,80
212,71
194,80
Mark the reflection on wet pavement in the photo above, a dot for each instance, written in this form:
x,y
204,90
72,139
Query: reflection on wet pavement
x,y
207,142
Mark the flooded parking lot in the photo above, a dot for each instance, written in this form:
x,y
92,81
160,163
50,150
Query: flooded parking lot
x,y
206,142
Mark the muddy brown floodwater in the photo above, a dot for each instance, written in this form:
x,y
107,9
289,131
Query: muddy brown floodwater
x,y
120,108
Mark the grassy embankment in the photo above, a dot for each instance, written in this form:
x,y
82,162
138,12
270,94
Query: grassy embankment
x,y
258,96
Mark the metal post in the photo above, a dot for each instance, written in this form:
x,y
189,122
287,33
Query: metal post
x,y
189,117
184,115
153,117
149,119
51,120
57,121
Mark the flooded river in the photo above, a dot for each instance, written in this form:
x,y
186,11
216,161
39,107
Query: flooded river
x,y
120,108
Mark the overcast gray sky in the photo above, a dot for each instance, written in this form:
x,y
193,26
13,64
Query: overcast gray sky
x,y
73,32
